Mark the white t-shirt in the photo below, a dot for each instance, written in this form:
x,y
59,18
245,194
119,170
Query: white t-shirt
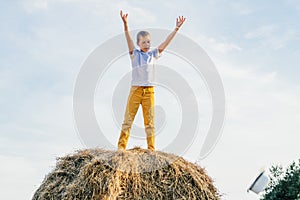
x,y
143,67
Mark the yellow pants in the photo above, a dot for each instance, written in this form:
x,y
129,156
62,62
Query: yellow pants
x,y
143,95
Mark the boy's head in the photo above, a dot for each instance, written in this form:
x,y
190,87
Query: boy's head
x,y
143,40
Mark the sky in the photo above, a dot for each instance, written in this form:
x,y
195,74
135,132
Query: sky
x,y
253,44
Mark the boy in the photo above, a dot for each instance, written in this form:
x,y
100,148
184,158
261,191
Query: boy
x,y
142,89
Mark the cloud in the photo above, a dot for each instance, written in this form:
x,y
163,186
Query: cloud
x,y
137,15
261,32
273,36
24,172
27,170
293,4
261,126
33,5
217,45
264,99
246,73
242,8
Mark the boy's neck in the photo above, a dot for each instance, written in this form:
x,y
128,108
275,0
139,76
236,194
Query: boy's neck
x,y
144,50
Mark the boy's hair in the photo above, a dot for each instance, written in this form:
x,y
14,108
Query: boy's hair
x,y
141,33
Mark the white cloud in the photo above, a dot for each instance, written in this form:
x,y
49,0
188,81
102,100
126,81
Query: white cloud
x,y
242,8
246,73
217,45
273,36
137,15
16,172
140,16
251,92
260,129
261,32
293,4
33,5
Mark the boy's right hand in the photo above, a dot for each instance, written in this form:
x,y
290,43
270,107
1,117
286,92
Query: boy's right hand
x,y
124,17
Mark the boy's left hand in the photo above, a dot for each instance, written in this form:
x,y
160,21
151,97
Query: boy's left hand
x,y
180,21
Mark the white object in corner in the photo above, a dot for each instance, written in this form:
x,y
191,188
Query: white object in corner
x,y
260,183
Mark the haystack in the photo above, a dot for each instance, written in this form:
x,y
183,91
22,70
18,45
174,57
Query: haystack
x,y
95,174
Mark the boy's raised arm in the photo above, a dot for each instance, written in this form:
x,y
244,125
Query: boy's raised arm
x,y
127,34
179,22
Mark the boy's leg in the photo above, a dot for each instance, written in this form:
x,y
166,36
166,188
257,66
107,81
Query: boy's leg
x,y
148,113
133,102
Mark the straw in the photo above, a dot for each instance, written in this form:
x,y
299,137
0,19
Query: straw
x,y
95,174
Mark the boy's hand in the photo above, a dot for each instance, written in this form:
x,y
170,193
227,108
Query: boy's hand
x,y
124,17
127,34
180,21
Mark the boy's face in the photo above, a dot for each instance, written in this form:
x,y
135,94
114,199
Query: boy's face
x,y
144,43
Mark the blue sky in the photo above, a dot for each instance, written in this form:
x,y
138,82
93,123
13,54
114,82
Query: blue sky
x,y
254,45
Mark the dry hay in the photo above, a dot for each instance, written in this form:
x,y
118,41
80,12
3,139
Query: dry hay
x,y
133,174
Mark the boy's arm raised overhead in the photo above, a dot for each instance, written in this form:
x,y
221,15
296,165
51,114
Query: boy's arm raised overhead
x,y
127,34
179,22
